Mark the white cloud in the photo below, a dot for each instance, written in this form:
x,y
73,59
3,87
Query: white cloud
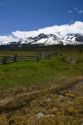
x,y
70,11
6,39
76,9
76,27
24,34
80,12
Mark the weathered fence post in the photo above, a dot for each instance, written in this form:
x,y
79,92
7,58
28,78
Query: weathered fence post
x,y
38,59
4,60
15,58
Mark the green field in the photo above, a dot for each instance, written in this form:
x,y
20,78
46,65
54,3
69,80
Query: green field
x,y
42,72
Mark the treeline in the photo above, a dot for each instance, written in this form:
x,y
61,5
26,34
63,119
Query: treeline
x,y
24,47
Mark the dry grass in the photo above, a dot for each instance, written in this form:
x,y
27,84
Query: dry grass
x,y
64,107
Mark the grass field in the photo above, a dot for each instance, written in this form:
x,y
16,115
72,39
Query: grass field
x,y
42,72
48,92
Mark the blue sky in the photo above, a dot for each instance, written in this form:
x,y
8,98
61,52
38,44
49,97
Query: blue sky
x,y
25,15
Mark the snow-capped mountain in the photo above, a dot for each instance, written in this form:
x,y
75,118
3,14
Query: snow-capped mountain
x,y
73,39
51,39
48,39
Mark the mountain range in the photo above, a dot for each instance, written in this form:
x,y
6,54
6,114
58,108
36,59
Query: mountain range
x,y
51,39
48,39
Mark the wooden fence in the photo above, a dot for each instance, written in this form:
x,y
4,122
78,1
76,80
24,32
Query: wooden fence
x,y
6,59
15,58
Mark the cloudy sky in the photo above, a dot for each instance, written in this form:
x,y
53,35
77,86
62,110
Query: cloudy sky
x,y
20,19
27,15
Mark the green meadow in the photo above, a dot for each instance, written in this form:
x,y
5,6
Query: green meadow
x,y
26,73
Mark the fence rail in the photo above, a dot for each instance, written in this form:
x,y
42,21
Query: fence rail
x,y
15,58
10,59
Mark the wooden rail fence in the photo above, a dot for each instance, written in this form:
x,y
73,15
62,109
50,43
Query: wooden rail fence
x,y
15,58
8,59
